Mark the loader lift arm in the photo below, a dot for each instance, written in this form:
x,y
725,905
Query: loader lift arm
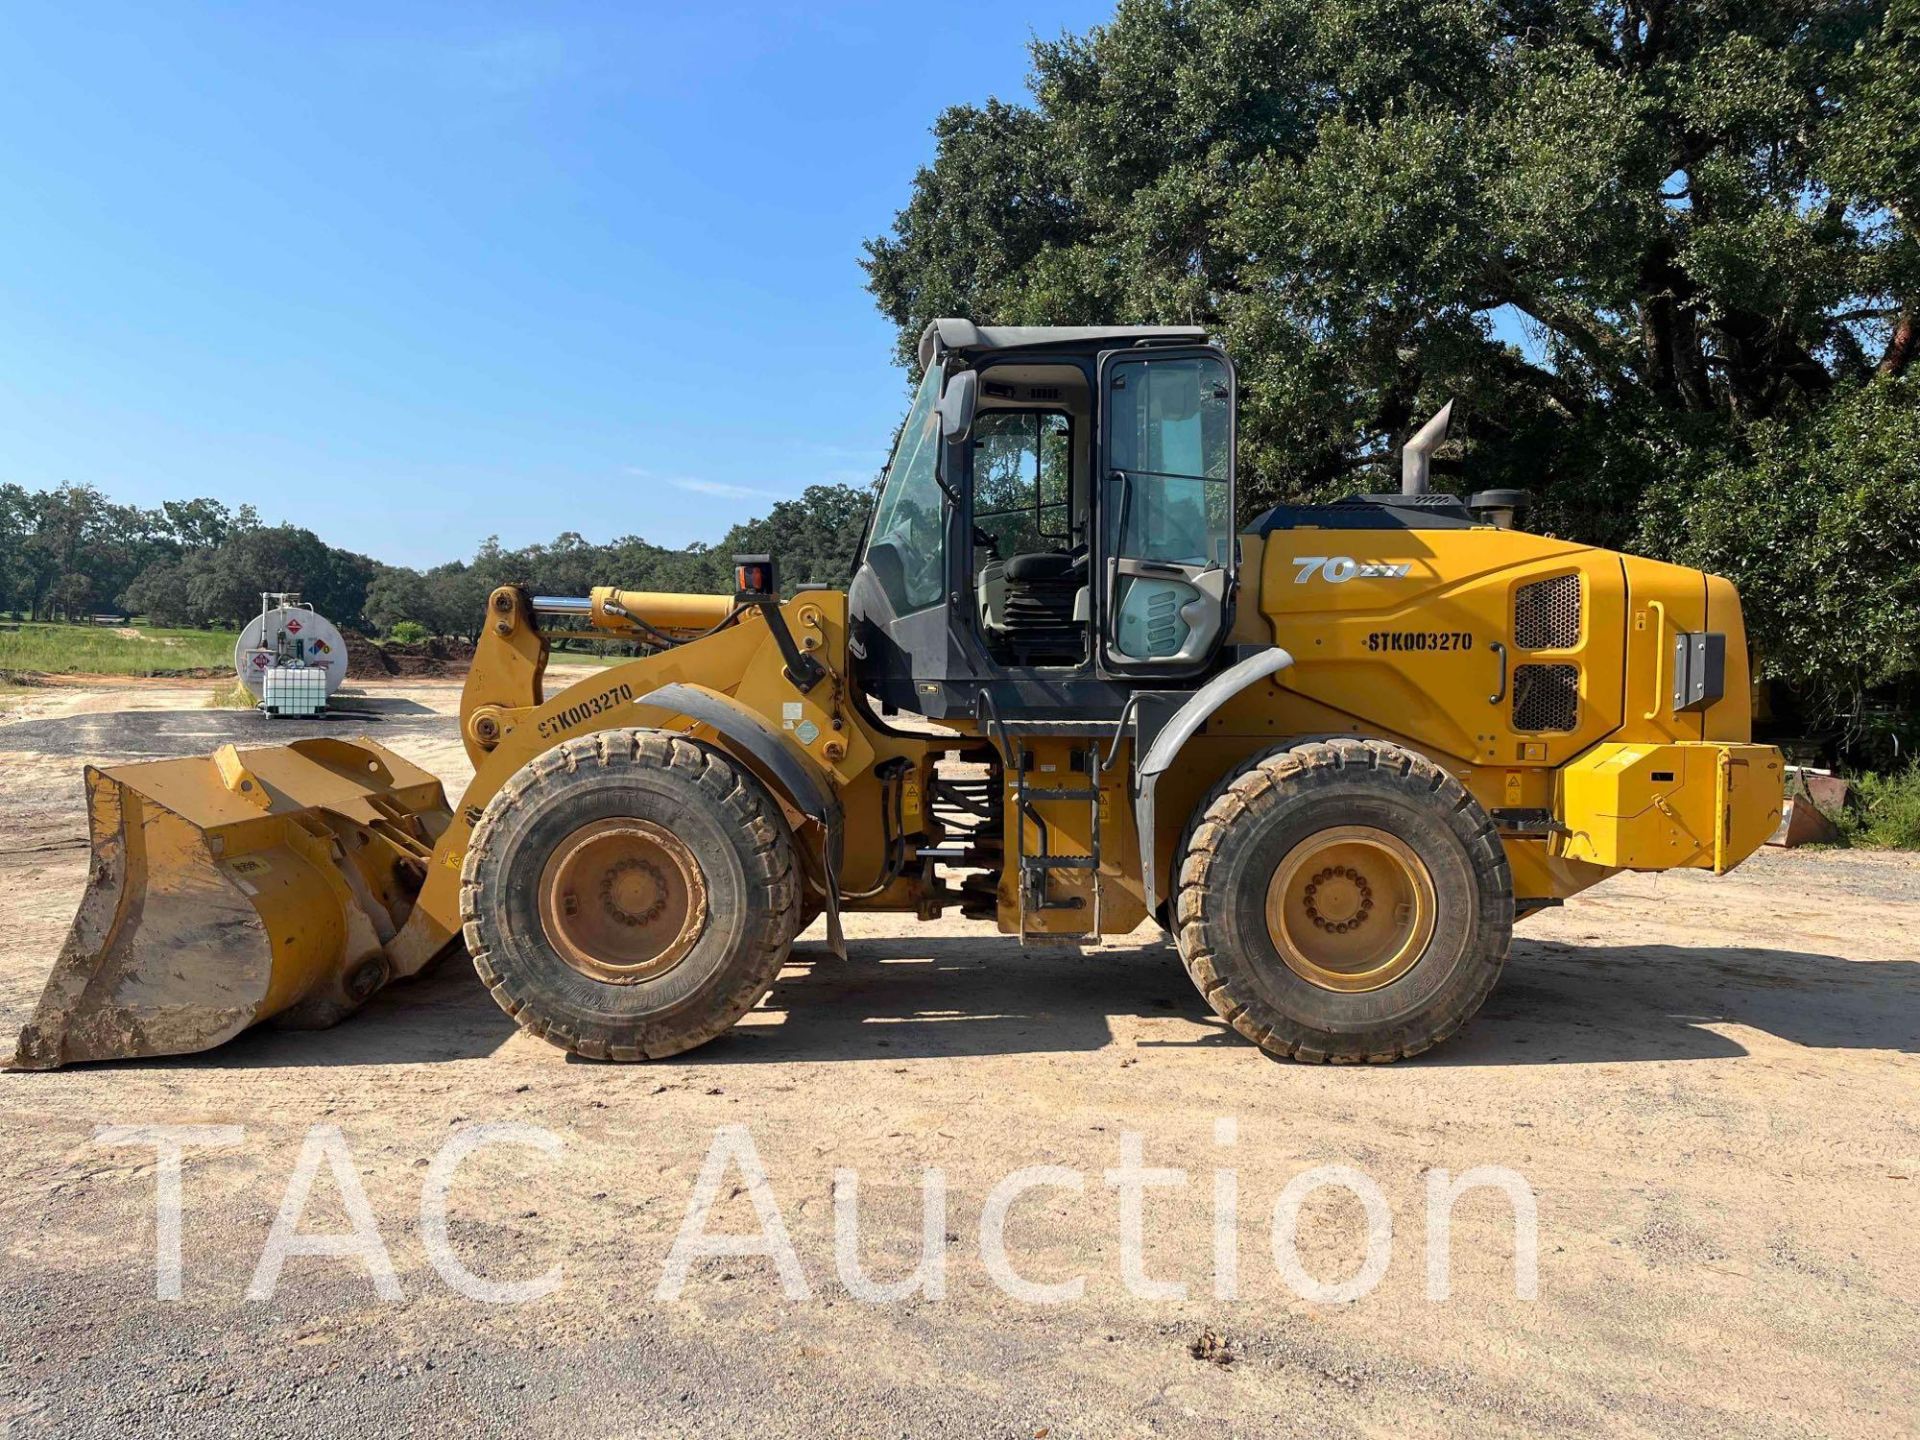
x,y
300,857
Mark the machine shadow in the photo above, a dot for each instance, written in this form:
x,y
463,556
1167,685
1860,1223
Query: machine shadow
x,y
1582,1004
1556,1004
946,998
444,1014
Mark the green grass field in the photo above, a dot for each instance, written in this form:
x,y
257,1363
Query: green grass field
x,y
99,650
586,657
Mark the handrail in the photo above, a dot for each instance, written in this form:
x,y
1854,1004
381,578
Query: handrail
x,y
1659,657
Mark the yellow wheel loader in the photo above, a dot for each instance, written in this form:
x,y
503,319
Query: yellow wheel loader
x,y
1336,754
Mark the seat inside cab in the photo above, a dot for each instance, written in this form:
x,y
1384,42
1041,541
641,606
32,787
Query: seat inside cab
x,y
1032,449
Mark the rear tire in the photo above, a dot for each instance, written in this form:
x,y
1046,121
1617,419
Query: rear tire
x,y
630,894
1344,900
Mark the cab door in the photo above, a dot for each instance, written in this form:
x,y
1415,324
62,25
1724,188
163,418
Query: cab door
x,y
1165,522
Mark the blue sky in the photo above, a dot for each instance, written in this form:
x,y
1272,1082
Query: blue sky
x,y
411,275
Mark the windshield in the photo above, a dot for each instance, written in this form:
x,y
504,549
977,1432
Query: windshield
x,y
908,550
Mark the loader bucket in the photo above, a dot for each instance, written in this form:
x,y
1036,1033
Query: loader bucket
x,y
234,888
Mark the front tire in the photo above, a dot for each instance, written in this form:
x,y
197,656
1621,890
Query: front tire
x,y
1344,900
629,895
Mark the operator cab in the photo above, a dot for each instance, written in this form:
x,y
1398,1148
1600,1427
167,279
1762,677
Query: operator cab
x,y
1056,526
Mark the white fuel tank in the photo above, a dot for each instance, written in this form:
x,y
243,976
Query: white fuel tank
x,y
289,635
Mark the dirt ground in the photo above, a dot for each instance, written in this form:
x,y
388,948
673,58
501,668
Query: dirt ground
x,y
1709,1087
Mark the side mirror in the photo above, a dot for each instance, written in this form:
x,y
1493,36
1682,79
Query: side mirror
x,y
956,405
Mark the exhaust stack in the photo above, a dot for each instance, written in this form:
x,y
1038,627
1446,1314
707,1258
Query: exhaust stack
x,y
1416,459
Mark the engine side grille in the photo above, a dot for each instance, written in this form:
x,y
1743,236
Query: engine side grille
x,y
1546,614
1546,697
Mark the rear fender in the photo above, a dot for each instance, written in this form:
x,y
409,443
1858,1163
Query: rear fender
x,y
1166,746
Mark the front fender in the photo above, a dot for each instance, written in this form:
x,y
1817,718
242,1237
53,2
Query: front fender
x,y
678,704
778,765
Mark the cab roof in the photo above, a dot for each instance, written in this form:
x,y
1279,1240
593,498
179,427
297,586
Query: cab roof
x,y
963,337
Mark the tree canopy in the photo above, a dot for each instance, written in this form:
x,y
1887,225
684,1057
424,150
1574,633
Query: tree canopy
x,y
1662,254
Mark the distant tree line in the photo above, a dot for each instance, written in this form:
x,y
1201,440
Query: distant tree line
x,y
69,553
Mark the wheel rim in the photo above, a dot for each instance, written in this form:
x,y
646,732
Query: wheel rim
x,y
1350,908
622,900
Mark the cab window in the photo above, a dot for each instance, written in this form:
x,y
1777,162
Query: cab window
x,y
1023,480
1170,449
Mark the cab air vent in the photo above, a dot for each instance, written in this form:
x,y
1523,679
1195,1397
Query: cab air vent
x,y
1546,614
1163,623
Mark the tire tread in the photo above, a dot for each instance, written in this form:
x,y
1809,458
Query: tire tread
x,y
773,869
1222,979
